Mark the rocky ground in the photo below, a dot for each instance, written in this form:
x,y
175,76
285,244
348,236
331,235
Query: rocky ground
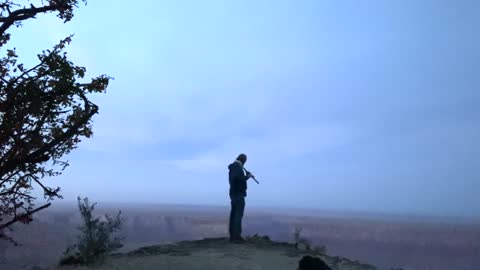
x,y
217,253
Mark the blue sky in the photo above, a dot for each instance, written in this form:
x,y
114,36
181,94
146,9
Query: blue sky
x,y
359,105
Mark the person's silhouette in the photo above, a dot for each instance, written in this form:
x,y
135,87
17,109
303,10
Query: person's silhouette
x,y
237,177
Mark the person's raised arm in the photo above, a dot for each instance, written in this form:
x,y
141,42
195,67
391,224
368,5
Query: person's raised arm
x,y
238,173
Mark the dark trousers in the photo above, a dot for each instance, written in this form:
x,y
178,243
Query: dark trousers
x,y
236,215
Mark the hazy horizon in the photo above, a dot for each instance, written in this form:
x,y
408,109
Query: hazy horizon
x,y
72,205
384,241
363,106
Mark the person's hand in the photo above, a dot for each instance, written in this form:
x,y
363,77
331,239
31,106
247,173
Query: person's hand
x,y
250,175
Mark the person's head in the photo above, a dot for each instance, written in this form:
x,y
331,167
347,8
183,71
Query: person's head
x,y
242,158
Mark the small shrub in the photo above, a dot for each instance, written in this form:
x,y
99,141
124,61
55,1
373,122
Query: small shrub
x,y
96,239
304,241
297,236
299,239
321,250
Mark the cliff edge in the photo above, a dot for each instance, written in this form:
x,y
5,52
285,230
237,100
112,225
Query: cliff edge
x,y
258,252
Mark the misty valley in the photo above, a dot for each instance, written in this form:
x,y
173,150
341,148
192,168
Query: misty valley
x,y
383,242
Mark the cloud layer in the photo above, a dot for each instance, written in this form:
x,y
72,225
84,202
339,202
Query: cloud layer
x,y
367,106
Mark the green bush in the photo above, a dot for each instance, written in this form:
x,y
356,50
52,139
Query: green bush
x,y
301,240
96,240
297,236
321,249
306,242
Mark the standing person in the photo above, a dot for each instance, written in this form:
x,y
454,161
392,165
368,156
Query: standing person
x,y
237,177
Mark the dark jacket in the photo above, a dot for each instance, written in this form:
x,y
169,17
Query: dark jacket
x,y
237,179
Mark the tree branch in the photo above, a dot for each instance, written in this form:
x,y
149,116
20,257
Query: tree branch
x,y
18,218
39,155
11,190
23,14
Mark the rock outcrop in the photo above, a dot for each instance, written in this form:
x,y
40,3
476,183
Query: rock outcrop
x,y
312,263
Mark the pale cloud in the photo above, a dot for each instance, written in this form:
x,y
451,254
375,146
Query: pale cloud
x,y
202,164
320,93
279,145
176,116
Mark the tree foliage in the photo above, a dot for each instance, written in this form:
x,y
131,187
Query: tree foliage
x,y
44,112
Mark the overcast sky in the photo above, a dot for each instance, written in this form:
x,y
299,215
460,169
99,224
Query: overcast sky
x,y
359,105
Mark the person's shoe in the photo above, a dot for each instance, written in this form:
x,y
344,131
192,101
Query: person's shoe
x,y
239,240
